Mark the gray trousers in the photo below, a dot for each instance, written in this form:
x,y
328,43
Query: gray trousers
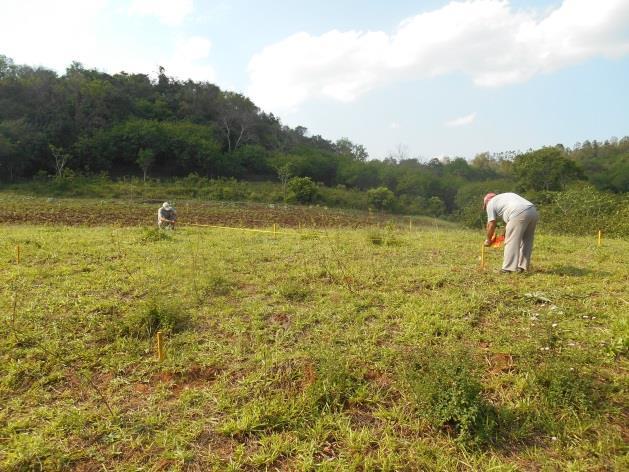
x,y
519,237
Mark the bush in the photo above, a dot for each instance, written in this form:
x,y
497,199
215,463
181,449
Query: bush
x,y
446,386
583,210
380,198
303,190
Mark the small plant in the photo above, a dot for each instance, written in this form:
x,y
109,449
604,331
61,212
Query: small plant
x,y
563,387
154,235
387,237
153,318
446,386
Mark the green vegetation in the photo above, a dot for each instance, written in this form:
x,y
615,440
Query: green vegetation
x,y
348,341
335,349
578,210
86,123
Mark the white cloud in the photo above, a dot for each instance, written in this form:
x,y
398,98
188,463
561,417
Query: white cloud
x,y
53,34
486,39
461,121
188,60
41,32
394,125
169,12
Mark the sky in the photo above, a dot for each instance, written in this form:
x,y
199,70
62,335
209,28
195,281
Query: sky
x,y
423,79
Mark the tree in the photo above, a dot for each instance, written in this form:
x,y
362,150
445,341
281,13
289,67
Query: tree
x,y
545,169
237,116
284,172
61,159
435,206
18,147
146,158
354,151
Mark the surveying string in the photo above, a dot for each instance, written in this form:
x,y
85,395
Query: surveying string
x,y
237,229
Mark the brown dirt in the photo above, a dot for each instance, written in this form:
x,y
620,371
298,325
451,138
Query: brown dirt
x,y
96,213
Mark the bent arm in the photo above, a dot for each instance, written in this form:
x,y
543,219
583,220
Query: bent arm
x,y
491,229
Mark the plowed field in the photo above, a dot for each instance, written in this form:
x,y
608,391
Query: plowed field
x,y
90,212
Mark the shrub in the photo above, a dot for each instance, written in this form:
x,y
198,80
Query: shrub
x,y
583,210
303,190
380,198
446,386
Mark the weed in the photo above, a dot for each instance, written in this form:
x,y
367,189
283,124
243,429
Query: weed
x,y
445,383
155,317
561,387
387,237
150,235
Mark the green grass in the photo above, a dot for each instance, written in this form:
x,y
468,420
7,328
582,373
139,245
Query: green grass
x,y
339,349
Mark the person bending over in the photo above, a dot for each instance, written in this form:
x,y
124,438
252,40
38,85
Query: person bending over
x,y
521,217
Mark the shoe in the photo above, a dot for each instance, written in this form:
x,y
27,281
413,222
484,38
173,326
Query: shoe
x,y
505,271
519,270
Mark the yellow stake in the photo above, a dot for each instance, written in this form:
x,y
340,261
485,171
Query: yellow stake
x,y
160,347
599,238
17,249
274,229
410,224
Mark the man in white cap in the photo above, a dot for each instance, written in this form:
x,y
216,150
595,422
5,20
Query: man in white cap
x,y
166,216
521,218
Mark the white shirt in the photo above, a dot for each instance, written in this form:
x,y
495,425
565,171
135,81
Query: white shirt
x,y
506,205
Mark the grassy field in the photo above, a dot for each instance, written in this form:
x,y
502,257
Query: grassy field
x,y
328,349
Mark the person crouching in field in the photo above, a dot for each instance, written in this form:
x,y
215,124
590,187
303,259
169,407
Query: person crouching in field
x,y
166,216
521,218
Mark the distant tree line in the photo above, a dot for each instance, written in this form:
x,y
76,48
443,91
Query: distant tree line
x,y
89,122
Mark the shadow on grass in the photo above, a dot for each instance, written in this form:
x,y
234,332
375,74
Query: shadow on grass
x,y
571,271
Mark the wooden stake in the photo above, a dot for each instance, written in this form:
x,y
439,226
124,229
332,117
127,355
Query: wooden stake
x,y
410,224
274,229
599,238
160,347
17,250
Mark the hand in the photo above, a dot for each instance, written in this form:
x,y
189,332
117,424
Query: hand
x,y
487,243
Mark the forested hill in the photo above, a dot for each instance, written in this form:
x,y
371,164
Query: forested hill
x,y
89,122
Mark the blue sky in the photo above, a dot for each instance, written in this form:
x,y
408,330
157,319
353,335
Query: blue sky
x,y
427,78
